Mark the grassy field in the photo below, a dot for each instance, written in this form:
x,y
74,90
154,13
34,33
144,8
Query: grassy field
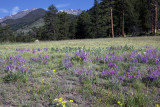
x,y
81,73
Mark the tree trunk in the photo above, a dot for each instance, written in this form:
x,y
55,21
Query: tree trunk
x,y
123,24
155,26
112,24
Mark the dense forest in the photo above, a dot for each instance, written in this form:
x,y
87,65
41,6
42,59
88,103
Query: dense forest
x,y
107,18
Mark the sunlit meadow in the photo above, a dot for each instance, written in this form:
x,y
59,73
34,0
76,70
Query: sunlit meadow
x,y
120,72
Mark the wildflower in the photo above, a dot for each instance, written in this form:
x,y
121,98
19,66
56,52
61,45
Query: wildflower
x,y
64,105
60,99
53,70
156,105
46,71
24,65
118,102
56,99
50,77
42,80
64,102
71,101
121,104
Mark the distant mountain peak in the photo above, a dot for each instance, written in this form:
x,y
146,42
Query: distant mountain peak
x,y
72,11
18,15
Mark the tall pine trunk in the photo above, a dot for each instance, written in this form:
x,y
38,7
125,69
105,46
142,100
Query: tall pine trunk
x,y
112,24
155,26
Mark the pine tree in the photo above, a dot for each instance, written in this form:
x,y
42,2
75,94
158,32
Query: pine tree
x,y
105,22
50,19
72,29
6,35
123,11
143,13
62,23
83,26
95,20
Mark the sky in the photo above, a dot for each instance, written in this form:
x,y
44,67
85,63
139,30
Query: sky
x,y
10,7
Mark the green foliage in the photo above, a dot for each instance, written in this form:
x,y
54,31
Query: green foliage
x,y
139,19
14,77
62,24
6,34
83,26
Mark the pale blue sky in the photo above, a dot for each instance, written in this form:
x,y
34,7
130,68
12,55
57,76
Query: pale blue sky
x,y
8,7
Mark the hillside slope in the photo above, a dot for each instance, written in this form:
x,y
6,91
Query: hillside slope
x,y
30,18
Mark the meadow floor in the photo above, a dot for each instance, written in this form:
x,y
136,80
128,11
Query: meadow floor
x,y
119,72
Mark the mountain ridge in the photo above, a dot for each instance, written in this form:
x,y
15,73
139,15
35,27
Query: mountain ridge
x,y
17,15
23,13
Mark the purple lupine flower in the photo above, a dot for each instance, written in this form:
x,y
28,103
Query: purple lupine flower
x,y
17,68
83,55
109,72
11,58
121,78
69,65
38,49
112,65
41,58
78,71
131,68
153,73
45,49
33,50
9,67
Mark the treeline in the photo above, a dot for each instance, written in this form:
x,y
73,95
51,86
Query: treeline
x,y
107,18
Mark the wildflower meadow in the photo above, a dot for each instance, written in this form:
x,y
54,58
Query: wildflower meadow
x,y
119,72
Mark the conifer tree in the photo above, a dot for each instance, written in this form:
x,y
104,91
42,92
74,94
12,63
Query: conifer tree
x,y
123,11
83,26
50,19
62,23
95,20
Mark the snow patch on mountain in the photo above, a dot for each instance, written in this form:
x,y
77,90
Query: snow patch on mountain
x,y
72,11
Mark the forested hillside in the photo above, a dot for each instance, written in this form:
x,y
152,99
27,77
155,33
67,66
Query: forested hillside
x,y
107,18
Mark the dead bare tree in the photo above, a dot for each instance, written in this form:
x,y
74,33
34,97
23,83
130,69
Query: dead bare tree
x,y
112,24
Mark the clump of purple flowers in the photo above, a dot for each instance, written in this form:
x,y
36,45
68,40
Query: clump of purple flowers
x,y
84,72
14,63
41,58
82,55
153,73
112,57
23,50
109,72
67,61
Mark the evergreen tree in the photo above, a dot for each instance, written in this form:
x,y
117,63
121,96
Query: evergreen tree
x,y
6,35
105,19
62,23
72,29
83,26
124,9
143,12
95,20
50,19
